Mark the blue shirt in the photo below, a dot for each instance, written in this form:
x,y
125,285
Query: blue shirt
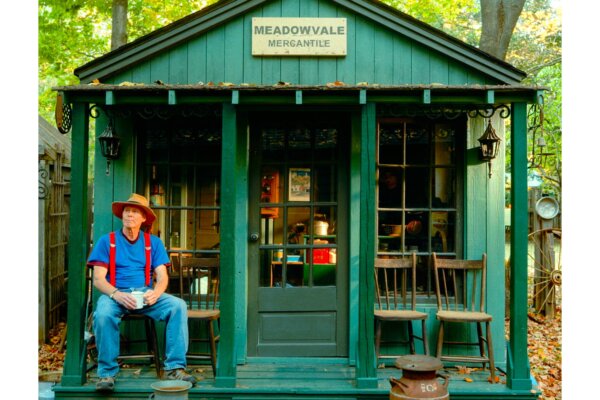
x,y
130,258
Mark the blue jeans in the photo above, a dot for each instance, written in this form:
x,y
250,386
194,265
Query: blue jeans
x,y
108,315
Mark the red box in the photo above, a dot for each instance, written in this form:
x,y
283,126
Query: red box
x,y
320,256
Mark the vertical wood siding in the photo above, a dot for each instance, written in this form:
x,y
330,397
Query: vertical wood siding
x,y
375,54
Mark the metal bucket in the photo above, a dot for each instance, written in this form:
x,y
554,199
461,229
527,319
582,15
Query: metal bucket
x,y
170,390
419,379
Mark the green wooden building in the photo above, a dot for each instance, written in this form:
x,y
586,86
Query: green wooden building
x,y
264,130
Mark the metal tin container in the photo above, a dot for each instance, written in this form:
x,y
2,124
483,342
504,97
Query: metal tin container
x,y
419,379
321,228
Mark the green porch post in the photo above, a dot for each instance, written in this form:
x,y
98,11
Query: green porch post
x,y
74,365
234,231
518,376
366,374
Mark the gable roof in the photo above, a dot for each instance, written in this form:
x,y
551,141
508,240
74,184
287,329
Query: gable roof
x,y
219,13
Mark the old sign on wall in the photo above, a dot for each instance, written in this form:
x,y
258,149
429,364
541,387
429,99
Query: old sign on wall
x,y
299,36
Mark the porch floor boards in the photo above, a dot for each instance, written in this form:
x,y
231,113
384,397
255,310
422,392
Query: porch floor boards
x,y
290,381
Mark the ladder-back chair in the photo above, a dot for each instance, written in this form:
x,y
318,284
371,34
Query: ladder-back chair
x,y
392,278
460,291
199,287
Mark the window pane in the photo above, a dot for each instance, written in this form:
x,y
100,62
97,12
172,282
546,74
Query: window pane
x,y
443,227
207,230
417,189
391,143
208,191
417,144
444,182
390,188
417,226
294,268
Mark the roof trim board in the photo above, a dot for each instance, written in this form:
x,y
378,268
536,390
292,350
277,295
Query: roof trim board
x,y
202,21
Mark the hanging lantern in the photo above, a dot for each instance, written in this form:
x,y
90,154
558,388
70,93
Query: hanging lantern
x,y
489,144
109,144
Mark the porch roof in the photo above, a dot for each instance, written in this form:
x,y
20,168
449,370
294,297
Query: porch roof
x,y
286,93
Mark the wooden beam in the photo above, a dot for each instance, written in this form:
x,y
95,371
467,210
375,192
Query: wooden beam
x,y
366,373
109,98
235,97
427,96
489,97
298,97
362,97
172,97
518,374
73,369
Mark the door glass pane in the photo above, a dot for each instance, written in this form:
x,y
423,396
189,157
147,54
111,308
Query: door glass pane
x,y
299,144
297,219
270,267
294,266
207,186
271,229
273,144
325,183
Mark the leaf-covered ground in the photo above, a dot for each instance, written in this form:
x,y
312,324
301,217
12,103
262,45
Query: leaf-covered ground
x,y
545,354
545,350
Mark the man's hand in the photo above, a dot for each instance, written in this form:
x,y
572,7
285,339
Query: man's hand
x,y
126,300
150,297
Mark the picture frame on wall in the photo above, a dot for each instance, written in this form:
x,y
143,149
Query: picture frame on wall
x,y
299,184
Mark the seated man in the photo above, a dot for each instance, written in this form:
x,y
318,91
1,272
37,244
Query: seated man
x,y
124,261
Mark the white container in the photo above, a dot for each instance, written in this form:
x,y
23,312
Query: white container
x,y
320,228
139,298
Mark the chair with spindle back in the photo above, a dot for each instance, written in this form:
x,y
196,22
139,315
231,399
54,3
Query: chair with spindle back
x,y
199,287
460,291
392,277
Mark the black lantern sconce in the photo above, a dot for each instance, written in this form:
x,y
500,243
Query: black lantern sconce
x,y
109,144
489,143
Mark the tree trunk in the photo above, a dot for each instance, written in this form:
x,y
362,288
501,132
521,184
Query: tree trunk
x,y
498,20
119,24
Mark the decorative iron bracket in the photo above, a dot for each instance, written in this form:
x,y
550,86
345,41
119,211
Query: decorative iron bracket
x,y
443,111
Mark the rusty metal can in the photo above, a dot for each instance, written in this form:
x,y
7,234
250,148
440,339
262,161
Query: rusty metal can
x,y
419,380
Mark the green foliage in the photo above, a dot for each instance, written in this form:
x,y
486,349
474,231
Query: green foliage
x,y
74,32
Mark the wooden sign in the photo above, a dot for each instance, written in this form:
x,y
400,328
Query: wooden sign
x,y
299,36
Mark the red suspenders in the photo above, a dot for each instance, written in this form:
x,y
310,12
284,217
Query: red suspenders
x,y
112,268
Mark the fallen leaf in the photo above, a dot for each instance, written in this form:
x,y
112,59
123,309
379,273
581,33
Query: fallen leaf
x,y
468,380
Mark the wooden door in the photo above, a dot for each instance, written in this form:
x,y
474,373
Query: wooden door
x,y
298,268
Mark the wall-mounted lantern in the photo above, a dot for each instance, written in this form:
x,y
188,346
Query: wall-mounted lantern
x,y
109,144
489,143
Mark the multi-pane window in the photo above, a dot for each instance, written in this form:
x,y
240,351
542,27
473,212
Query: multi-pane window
x,y
181,160
417,195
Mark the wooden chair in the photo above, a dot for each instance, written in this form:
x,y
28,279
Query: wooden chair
x,y
460,291
150,340
391,280
199,287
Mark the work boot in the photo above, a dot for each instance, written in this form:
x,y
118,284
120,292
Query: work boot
x,y
106,384
181,375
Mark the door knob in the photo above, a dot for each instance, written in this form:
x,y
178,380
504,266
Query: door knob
x,y
254,237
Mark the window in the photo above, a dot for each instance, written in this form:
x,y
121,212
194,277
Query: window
x,y
417,194
181,164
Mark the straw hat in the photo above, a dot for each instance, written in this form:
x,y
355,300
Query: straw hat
x,y
135,200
